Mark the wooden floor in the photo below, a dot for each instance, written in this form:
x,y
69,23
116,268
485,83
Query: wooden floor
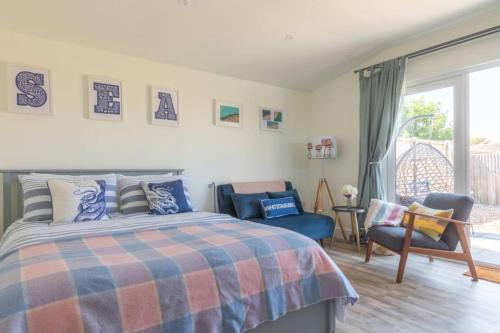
x,y
433,297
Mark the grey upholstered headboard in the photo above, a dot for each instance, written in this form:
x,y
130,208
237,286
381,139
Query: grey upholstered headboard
x,y
13,195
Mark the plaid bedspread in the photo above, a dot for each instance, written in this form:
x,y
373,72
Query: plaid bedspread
x,y
218,275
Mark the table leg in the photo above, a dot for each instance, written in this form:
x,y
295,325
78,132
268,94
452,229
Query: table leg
x,y
337,219
333,232
356,229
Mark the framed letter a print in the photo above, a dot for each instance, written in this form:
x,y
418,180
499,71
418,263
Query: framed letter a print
x,y
164,107
105,98
28,89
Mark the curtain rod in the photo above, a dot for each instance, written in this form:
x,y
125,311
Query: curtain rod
x,y
441,46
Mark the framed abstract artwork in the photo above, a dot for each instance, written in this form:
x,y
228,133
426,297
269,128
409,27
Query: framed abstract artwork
x,y
105,98
272,120
227,114
164,106
28,89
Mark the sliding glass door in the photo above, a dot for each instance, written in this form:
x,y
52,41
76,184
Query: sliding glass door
x,y
484,157
449,141
426,158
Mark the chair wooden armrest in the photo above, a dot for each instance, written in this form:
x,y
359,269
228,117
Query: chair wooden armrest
x,y
444,219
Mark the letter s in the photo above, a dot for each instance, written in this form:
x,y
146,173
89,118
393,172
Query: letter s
x,y
30,84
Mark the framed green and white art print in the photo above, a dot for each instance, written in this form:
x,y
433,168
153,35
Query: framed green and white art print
x,y
272,120
227,114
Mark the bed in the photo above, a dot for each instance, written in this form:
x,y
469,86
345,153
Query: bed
x,y
188,272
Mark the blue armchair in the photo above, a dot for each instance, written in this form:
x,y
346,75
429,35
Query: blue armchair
x,y
315,226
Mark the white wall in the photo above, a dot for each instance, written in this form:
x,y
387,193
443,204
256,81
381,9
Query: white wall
x,y
208,153
335,106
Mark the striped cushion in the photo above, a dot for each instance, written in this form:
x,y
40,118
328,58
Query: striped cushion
x,y
434,228
132,197
38,202
384,213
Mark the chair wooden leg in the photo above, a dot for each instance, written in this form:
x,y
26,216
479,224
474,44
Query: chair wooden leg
x,y
369,248
405,249
402,265
472,267
465,247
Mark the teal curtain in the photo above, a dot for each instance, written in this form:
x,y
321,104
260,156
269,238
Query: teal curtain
x,y
381,89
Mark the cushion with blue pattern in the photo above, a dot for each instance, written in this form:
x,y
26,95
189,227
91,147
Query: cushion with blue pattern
x,y
77,200
166,198
292,193
280,207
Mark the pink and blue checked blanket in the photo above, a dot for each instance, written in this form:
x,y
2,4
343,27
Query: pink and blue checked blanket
x,y
191,272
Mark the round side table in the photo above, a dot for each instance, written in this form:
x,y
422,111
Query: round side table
x,y
353,211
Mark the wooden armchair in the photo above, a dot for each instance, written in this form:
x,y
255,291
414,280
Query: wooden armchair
x,y
404,240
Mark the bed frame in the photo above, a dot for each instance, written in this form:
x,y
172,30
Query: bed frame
x,y
316,318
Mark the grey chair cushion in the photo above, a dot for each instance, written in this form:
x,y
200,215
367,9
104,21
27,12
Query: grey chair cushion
x,y
462,206
392,238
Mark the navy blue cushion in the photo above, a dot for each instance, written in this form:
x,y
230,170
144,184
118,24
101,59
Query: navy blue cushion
x,y
274,208
293,193
392,238
225,202
315,226
248,205
166,198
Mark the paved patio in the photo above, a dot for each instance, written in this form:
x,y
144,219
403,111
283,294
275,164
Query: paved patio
x,y
485,238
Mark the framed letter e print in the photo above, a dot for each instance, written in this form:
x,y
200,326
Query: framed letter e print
x,y
105,98
28,90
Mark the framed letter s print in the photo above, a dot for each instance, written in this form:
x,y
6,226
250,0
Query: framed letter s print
x,y
164,107
28,90
105,98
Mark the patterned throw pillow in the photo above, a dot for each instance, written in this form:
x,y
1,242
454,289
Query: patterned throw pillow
x,y
77,200
274,208
38,202
430,227
384,213
293,193
132,197
166,198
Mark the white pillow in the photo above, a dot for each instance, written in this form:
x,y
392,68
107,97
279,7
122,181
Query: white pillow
x,y
77,200
38,203
384,213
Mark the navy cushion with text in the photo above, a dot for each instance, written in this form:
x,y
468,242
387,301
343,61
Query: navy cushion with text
x,y
247,206
273,208
293,193
166,198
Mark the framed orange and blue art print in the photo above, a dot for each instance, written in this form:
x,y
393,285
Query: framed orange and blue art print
x,y
227,114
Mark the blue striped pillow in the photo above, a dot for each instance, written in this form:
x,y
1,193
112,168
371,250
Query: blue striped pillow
x,y
132,197
38,202
280,207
